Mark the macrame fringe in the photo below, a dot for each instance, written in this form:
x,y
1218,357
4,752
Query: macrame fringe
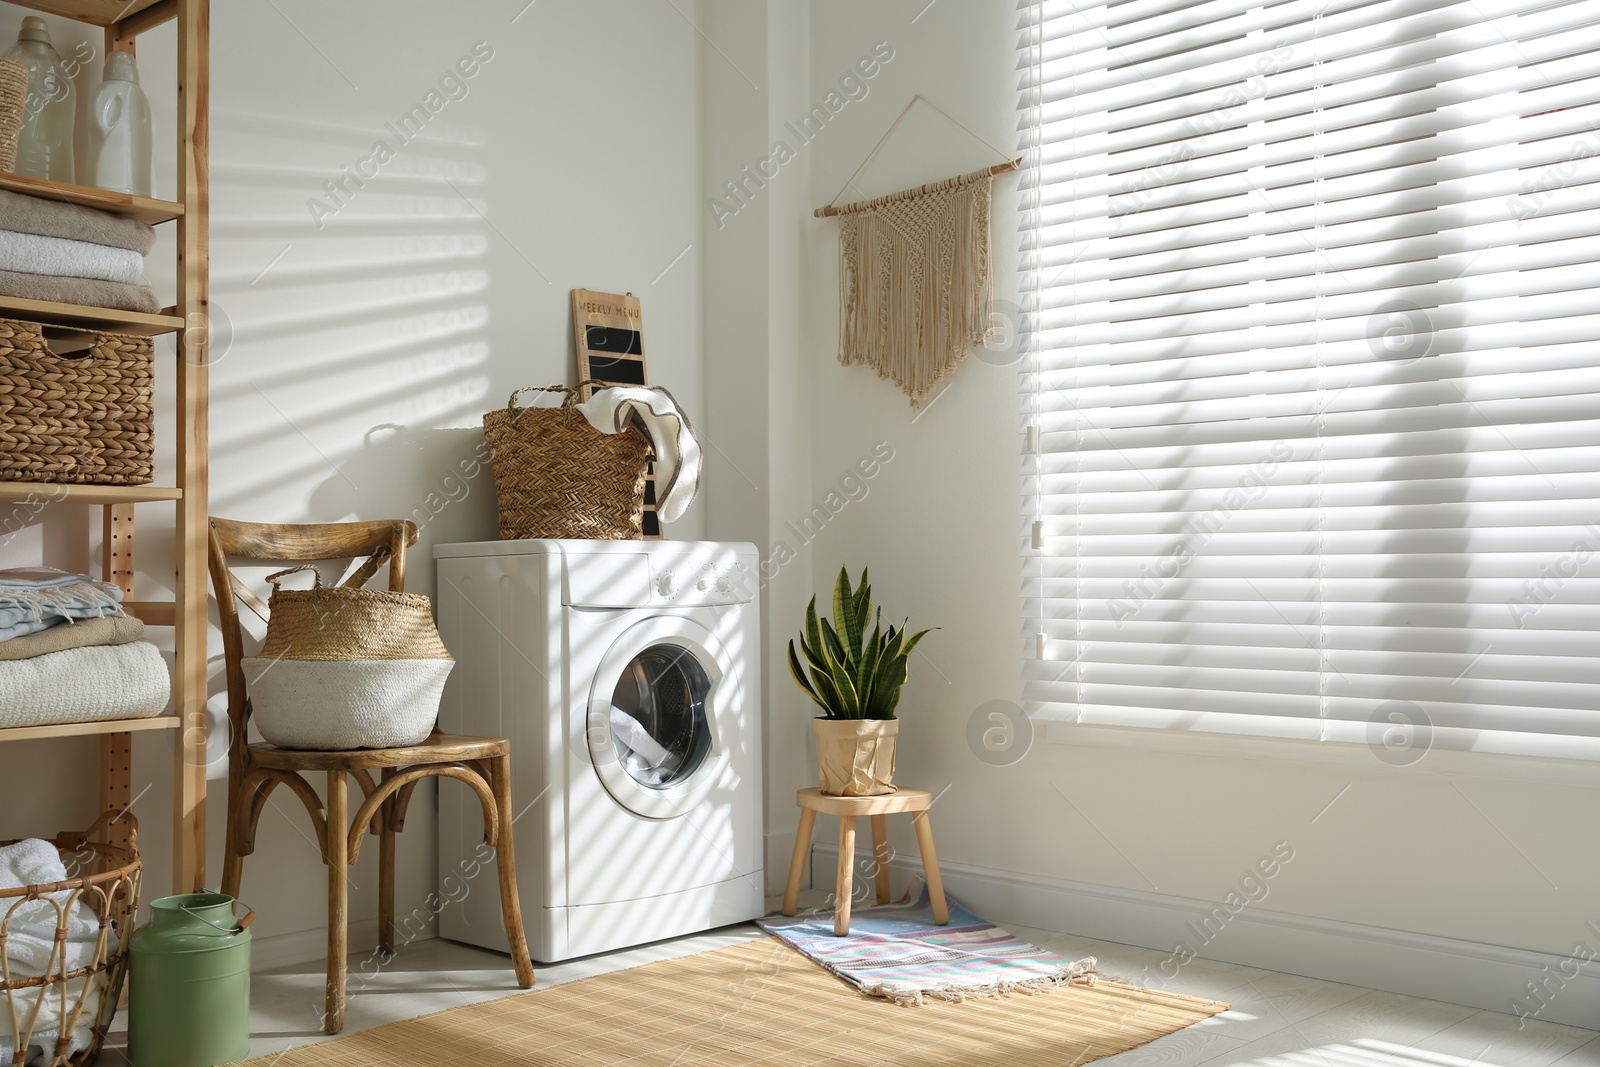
x,y
915,290
1085,972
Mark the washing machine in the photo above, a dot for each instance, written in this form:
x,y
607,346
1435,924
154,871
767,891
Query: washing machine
x,y
627,676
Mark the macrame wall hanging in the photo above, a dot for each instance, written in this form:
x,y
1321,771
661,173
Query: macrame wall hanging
x,y
914,274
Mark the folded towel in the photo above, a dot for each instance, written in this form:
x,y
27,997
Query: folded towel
x,y
85,291
30,946
65,634
51,218
34,599
58,257
85,685
677,449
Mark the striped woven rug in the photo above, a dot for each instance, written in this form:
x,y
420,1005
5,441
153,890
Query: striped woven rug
x,y
899,952
759,1003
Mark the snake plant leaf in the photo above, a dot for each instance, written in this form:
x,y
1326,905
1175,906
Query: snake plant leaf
x,y
843,615
799,675
813,634
849,706
867,671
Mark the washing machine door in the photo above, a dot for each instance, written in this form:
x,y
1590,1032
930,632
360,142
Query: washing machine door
x,y
652,723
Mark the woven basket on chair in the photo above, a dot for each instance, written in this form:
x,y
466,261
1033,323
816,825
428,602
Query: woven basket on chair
x,y
66,1006
87,416
346,668
13,101
555,475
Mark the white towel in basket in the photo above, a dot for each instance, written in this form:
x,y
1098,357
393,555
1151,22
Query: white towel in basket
x,y
30,928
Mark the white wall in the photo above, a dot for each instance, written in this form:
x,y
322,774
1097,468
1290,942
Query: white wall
x,y
1477,849
366,350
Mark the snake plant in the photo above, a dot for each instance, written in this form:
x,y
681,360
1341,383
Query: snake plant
x,y
853,674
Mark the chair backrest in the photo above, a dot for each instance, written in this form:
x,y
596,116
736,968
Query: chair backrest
x,y
378,542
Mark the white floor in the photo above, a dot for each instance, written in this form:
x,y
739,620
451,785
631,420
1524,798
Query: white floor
x,y
1277,1020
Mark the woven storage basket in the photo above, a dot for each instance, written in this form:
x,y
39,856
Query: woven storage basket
x,y
78,989
78,418
557,476
13,101
346,668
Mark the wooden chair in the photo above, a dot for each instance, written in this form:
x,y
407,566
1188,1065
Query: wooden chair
x,y
254,770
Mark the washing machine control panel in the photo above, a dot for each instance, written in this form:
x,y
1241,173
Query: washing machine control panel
x,y
720,580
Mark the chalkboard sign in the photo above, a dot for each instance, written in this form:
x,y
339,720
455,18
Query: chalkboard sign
x,y
609,332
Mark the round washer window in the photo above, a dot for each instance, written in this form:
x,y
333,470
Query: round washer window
x,y
658,716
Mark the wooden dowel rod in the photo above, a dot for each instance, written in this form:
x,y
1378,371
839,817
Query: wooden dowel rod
x,y
998,168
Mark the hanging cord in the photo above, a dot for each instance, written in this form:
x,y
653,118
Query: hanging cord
x,y
1011,163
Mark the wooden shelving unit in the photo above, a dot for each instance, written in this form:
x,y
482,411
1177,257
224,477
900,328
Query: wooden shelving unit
x,y
124,21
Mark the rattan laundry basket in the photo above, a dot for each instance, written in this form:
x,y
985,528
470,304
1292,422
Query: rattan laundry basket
x,y
79,986
13,101
555,475
81,413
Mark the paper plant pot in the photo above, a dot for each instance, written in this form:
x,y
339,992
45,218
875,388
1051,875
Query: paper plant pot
x,y
856,756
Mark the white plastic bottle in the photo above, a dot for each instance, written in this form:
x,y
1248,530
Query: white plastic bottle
x,y
122,115
44,149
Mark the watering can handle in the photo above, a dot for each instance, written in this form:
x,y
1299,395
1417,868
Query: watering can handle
x,y
239,927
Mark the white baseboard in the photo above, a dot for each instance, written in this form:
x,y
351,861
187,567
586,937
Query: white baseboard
x,y
1399,961
305,946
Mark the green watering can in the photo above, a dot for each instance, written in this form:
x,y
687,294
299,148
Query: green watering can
x,y
189,1005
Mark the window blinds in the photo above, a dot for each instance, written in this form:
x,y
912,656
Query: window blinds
x,y
1314,426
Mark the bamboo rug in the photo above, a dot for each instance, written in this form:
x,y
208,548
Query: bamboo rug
x,y
898,951
759,1003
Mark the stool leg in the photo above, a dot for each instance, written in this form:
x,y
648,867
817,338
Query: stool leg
x,y
880,857
797,863
930,867
847,864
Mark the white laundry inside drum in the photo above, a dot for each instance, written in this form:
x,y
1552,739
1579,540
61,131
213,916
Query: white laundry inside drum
x,y
658,716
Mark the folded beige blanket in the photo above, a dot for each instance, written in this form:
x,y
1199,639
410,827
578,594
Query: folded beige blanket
x,y
51,218
106,630
85,291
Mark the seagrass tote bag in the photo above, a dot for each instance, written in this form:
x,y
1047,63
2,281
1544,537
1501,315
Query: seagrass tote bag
x,y
346,668
555,475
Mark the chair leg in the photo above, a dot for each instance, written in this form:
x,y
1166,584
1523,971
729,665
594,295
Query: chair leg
x,y
232,858
506,861
386,850
336,851
797,863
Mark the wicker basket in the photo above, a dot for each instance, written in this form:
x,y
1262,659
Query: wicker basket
x,y
557,476
346,668
13,102
86,416
85,994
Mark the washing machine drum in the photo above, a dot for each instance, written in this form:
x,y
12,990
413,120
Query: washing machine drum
x,y
659,733
652,730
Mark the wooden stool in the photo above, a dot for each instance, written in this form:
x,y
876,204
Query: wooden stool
x,y
916,801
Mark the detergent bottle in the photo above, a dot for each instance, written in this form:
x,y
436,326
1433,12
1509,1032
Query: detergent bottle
x,y
122,118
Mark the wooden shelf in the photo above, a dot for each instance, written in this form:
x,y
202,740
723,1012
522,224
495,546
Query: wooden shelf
x,y
94,12
108,319
142,208
88,494
89,729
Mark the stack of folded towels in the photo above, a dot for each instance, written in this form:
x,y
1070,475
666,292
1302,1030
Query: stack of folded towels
x,y
73,255
33,950
68,653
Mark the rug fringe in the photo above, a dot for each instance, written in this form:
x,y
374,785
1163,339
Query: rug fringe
x,y
1084,972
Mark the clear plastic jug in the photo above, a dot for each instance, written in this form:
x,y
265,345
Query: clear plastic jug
x,y
44,149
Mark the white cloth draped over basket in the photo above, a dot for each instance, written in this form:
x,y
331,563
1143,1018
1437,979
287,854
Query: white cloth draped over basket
x,y
677,449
